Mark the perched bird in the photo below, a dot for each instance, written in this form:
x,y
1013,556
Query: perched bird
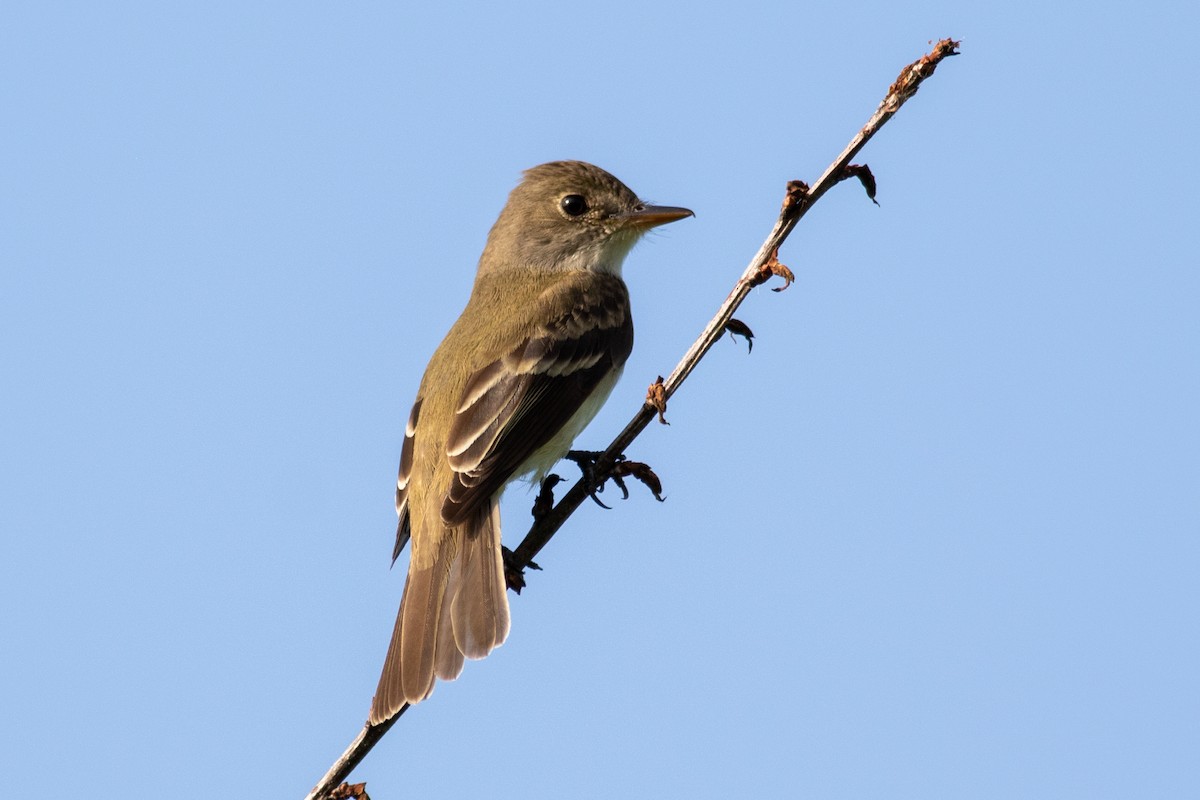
x,y
529,362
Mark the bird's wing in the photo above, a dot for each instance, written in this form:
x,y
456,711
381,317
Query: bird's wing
x,y
404,526
514,405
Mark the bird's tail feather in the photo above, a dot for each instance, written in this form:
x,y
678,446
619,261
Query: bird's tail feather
x,y
478,601
453,605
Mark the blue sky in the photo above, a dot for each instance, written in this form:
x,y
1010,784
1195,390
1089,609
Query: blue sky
x,y
938,536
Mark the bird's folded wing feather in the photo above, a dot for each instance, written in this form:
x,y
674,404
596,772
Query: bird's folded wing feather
x,y
404,525
514,405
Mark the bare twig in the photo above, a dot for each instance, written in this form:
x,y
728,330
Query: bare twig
x,y
765,265
355,753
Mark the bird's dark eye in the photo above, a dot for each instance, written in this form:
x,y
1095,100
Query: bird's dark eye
x,y
574,205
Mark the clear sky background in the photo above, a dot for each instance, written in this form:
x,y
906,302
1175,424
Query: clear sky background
x,y
937,536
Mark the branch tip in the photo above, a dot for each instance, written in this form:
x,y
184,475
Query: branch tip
x,y
909,80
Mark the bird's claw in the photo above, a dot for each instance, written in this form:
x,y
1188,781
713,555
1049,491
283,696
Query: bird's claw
x,y
586,461
639,471
621,469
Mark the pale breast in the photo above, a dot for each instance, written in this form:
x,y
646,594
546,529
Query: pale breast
x,y
543,459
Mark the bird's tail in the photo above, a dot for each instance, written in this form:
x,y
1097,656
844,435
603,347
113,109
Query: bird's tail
x,y
454,606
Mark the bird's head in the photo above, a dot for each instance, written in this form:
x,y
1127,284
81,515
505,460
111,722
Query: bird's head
x,y
571,215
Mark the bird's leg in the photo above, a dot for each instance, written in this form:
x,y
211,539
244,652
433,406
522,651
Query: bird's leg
x,y
545,497
514,575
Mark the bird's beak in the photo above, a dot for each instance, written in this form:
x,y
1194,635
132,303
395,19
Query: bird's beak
x,y
645,217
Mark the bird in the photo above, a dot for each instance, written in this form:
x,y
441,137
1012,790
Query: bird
x,y
534,355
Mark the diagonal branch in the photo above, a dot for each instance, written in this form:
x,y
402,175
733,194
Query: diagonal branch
x,y
765,264
799,199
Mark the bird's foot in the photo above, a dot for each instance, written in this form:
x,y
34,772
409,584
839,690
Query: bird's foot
x,y
639,471
586,461
545,497
620,469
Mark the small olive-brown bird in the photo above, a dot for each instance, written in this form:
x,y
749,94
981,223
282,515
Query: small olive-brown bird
x,y
529,362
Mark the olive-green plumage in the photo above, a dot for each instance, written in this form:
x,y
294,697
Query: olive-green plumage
x,y
531,359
